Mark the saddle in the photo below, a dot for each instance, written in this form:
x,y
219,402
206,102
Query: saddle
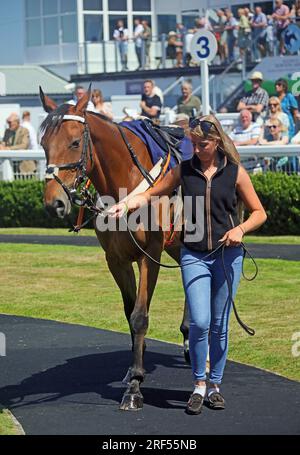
x,y
167,137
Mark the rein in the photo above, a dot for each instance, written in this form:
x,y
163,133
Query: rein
x,y
86,199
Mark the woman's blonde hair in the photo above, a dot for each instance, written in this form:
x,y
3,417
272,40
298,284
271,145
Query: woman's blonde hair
x,y
216,133
98,93
276,100
224,144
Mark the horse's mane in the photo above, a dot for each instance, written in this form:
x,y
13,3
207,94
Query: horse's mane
x,y
54,119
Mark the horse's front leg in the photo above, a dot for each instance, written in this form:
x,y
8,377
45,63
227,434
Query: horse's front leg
x,y
133,398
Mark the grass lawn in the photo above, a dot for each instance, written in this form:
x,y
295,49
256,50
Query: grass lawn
x,y
88,295
7,426
285,239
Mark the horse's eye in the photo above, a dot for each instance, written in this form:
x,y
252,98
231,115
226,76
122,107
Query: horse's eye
x,y
75,144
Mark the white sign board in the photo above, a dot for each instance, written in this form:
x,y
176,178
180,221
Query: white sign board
x,y
204,46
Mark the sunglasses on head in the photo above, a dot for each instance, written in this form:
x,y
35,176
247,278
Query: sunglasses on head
x,y
205,125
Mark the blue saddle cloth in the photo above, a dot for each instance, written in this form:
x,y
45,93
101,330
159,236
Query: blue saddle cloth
x,y
156,152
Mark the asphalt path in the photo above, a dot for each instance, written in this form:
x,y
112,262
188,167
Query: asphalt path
x,y
268,251
66,379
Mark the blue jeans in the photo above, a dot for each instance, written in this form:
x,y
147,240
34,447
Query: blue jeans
x,y
209,305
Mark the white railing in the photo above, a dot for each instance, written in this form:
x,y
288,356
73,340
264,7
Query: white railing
x,y
9,157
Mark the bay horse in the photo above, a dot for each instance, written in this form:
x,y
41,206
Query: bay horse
x,y
109,166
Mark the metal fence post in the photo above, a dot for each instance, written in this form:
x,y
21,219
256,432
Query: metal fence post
x,y
86,63
104,56
163,50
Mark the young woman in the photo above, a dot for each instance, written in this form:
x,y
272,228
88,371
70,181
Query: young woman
x,y
215,175
102,107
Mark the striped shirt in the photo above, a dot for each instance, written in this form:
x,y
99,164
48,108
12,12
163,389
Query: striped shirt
x,y
242,135
259,96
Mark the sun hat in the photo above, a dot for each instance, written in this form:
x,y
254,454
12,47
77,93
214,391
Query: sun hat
x,y
257,75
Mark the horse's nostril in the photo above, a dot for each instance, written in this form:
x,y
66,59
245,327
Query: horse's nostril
x,y
59,204
58,208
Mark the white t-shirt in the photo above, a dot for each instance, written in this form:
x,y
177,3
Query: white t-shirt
x,y
241,135
137,35
33,144
90,106
121,31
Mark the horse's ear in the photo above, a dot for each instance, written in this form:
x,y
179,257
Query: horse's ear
x,y
84,101
48,104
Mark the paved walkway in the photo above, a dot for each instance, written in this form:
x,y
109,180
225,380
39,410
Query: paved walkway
x,y
65,379
268,251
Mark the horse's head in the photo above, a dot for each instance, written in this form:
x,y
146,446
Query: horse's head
x,y
66,141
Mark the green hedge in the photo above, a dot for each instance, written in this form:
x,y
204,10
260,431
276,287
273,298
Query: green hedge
x,y
280,196
22,204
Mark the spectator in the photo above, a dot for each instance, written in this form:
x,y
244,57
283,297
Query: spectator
x,y
259,34
147,38
273,133
270,37
203,23
138,41
248,14
246,132
275,112
257,100
151,104
232,29
187,103
222,38
78,94
288,103
281,16
15,137
100,105
244,31
188,40
33,143
121,37
174,49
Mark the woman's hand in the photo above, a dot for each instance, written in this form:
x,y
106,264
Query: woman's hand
x,y
120,209
233,237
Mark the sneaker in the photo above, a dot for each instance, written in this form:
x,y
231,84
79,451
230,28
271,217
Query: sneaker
x,y
195,403
216,400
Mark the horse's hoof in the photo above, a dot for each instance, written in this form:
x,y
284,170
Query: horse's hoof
x,y
132,402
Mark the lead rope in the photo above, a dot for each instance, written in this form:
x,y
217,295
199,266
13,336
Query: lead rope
x,y
222,246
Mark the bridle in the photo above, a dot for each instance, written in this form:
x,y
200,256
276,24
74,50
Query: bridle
x,y
80,166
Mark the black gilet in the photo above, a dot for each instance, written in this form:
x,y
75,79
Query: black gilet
x,y
219,199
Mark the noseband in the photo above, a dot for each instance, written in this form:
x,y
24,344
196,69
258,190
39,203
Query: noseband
x,y
52,170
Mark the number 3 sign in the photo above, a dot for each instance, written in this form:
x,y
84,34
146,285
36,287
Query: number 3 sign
x,y
204,46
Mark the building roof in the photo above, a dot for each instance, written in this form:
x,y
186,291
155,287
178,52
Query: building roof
x,y
26,79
